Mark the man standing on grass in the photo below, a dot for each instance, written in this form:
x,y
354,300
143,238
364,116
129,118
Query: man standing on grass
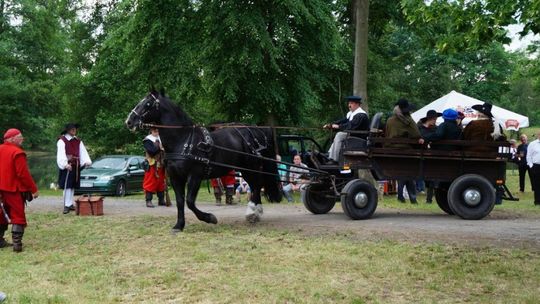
x,y
15,180
533,160
521,160
71,158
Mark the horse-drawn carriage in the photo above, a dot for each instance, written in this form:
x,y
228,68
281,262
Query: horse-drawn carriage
x,y
469,181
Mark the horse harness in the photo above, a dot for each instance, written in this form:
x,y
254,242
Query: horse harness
x,y
202,151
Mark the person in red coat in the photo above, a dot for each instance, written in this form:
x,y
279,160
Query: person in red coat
x,y
154,175
15,179
224,184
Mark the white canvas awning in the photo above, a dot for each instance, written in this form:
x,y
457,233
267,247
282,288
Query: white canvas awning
x,y
457,101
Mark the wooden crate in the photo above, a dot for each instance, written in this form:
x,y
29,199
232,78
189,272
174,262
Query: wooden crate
x,y
88,205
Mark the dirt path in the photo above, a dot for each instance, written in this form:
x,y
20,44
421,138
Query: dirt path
x,y
499,229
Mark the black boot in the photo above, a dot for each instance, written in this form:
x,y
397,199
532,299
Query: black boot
x,y
17,232
161,198
229,198
148,197
3,242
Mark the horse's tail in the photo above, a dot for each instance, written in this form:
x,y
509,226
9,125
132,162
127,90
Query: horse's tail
x,y
271,183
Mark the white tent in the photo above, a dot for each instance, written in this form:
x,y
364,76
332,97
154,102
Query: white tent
x,y
457,101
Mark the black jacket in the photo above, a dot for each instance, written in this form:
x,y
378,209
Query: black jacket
x,y
359,122
447,130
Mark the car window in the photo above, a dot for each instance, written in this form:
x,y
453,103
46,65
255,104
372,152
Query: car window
x,y
109,163
134,162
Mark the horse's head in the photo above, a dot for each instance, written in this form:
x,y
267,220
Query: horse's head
x,y
146,111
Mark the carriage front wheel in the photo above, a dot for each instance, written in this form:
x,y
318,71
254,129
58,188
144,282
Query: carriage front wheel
x,y
359,199
318,198
471,197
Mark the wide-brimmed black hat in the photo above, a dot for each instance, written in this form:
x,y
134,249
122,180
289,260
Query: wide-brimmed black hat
x,y
69,126
404,105
484,109
430,115
354,98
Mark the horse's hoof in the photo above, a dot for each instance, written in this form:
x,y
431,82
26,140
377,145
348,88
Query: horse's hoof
x,y
212,219
253,218
175,231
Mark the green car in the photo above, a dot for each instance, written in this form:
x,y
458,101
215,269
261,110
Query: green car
x,y
113,174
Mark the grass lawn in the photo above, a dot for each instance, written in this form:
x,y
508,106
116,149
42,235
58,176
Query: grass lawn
x,y
133,259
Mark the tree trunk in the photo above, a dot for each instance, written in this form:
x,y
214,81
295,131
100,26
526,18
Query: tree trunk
x,y
361,8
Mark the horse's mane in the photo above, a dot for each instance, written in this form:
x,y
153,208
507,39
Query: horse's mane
x,y
170,105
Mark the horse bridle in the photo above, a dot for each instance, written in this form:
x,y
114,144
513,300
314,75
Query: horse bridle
x,y
155,103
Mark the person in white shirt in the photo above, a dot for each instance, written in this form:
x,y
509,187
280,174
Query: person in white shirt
x,y
71,158
533,161
355,120
297,180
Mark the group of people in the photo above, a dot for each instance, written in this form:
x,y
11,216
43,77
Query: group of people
x,y
527,158
402,125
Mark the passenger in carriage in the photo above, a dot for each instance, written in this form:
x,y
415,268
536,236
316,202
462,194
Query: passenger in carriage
x,y
449,129
484,128
427,127
401,125
355,120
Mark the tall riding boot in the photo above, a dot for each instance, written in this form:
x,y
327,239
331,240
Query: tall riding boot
x,y
3,242
148,197
218,198
161,198
17,232
229,196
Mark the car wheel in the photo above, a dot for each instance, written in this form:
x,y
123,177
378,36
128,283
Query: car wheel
x,y
471,197
441,197
359,199
318,198
121,188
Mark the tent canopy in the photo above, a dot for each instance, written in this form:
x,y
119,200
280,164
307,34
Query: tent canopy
x,y
463,103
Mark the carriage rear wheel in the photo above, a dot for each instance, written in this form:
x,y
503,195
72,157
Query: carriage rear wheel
x,y
471,196
441,197
359,199
318,198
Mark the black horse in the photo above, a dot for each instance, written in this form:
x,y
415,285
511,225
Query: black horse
x,y
192,154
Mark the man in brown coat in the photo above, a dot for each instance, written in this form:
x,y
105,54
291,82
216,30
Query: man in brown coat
x,y
402,125
484,128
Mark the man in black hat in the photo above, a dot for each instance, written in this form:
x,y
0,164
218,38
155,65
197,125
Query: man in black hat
x,y
71,157
355,120
485,127
428,127
402,125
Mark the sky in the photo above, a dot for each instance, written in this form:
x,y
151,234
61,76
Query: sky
x,y
519,43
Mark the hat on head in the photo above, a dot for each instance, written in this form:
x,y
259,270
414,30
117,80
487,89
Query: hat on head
x,y
354,98
484,109
430,115
404,105
11,133
449,114
69,126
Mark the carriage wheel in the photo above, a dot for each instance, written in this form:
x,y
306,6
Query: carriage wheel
x,y
441,197
359,199
471,197
318,199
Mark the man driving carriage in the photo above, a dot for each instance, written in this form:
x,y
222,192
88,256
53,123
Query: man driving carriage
x,y
355,120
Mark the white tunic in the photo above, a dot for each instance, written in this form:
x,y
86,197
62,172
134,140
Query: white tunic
x,y
61,157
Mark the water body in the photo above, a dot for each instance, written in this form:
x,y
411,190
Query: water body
x,y
43,168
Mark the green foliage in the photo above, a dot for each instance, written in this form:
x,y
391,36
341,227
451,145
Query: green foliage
x,y
283,62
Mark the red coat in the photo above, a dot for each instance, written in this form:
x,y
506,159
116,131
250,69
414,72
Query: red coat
x,y
226,180
14,173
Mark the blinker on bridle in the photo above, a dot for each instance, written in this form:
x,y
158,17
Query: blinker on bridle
x,y
155,103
